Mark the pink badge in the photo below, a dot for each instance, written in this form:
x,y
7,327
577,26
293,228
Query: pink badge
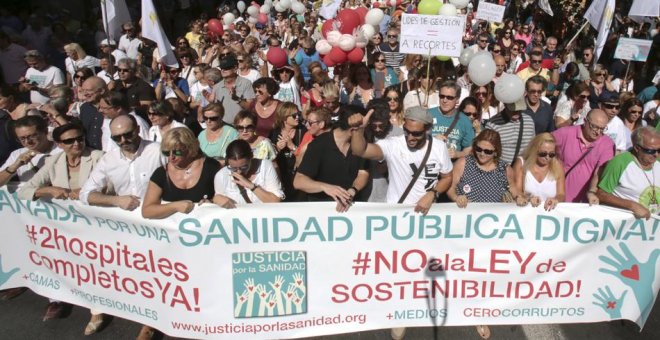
x,y
466,188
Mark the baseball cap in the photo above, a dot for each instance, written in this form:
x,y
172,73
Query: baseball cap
x,y
259,26
608,97
228,62
418,113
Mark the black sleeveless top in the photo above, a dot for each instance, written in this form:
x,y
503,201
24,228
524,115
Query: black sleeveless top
x,y
204,186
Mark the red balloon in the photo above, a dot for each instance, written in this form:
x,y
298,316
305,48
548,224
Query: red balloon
x,y
215,29
376,5
355,55
328,62
327,27
263,18
362,12
337,55
276,57
349,20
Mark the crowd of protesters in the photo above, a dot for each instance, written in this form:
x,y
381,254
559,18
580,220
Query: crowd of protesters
x,y
85,117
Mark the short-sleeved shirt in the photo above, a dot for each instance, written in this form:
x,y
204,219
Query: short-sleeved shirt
x,y
324,162
217,148
624,178
243,88
544,118
140,90
570,148
509,130
43,79
265,177
402,162
461,135
26,171
203,189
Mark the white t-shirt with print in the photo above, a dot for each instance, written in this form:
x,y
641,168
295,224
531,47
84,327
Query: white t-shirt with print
x,y
43,79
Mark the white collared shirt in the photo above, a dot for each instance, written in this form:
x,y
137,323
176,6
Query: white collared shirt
x,y
106,141
26,171
128,177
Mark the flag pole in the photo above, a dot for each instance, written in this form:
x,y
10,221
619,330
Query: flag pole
x,y
578,33
428,83
108,37
625,78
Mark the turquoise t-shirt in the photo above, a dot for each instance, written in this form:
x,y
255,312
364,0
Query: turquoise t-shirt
x,y
461,136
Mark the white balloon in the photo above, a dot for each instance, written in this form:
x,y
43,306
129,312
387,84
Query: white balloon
x,y
509,88
361,43
268,2
323,46
286,4
346,42
481,69
279,8
374,16
447,9
253,20
228,18
466,56
241,6
253,11
368,31
333,37
298,8
460,4
265,9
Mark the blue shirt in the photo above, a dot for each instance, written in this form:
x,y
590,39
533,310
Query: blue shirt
x,y
461,136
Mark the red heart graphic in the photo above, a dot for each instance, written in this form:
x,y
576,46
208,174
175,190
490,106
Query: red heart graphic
x,y
242,298
289,294
632,273
271,304
299,282
263,294
277,285
251,288
297,300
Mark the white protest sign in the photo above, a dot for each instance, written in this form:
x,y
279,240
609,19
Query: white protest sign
x,y
432,34
632,49
490,12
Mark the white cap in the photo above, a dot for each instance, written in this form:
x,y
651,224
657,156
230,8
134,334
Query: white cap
x,y
107,42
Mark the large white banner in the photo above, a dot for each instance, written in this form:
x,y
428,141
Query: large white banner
x,y
432,34
299,270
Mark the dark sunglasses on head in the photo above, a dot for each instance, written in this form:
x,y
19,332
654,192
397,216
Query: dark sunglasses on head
x,y
118,138
546,154
485,151
69,141
168,153
648,151
416,134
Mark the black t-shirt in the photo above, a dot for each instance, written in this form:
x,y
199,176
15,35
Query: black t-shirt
x,y
544,120
92,121
139,91
324,162
204,186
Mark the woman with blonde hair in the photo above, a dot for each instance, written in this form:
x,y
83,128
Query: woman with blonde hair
x,y
77,58
539,174
245,67
411,62
599,83
186,179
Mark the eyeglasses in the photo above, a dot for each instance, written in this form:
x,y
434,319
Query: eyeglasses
x,y
514,49
175,153
497,51
442,96
295,115
535,91
484,151
481,94
78,76
212,118
611,106
310,123
240,60
118,138
185,56
69,141
648,151
245,128
507,32
536,61
483,41
392,99
121,70
242,168
544,154
634,112
601,74
30,138
415,134
596,128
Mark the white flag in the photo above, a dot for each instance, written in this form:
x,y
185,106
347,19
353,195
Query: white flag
x,y
644,8
152,30
329,8
545,6
600,15
115,14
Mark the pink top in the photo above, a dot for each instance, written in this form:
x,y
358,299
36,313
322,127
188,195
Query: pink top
x,y
525,38
570,147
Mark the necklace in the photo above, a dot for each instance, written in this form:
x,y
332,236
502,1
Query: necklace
x,y
75,165
187,170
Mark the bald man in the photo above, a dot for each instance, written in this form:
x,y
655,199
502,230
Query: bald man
x,y
92,120
125,169
584,150
500,66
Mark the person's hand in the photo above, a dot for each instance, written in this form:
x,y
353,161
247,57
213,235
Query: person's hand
x,y
128,202
441,137
461,201
550,204
592,198
424,204
185,206
339,194
163,76
358,121
521,200
239,179
535,201
57,192
611,305
74,194
640,211
23,159
224,202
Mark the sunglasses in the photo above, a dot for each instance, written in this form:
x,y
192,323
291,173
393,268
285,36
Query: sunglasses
x,y
611,106
601,73
118,138
481,40
648,151
151,113
535,61
78,76
392,36
546,154
484,151
393,99
442,96
583,96
240,60
535,91
69,141
121,70
245,128
212,119
295,116
634,112
415,134
471,114
310,123
480,94
175,153
380,60
497,51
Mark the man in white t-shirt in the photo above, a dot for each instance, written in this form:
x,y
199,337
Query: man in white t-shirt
x,y
39,77
129,43
631,180
616,130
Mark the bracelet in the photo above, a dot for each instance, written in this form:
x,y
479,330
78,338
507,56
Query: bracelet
x,y
591,192
10,172
354,188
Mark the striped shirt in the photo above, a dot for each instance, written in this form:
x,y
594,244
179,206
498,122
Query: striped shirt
x,y
393,58
508,131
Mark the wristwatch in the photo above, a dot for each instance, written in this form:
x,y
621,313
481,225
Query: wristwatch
x,y
435,192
